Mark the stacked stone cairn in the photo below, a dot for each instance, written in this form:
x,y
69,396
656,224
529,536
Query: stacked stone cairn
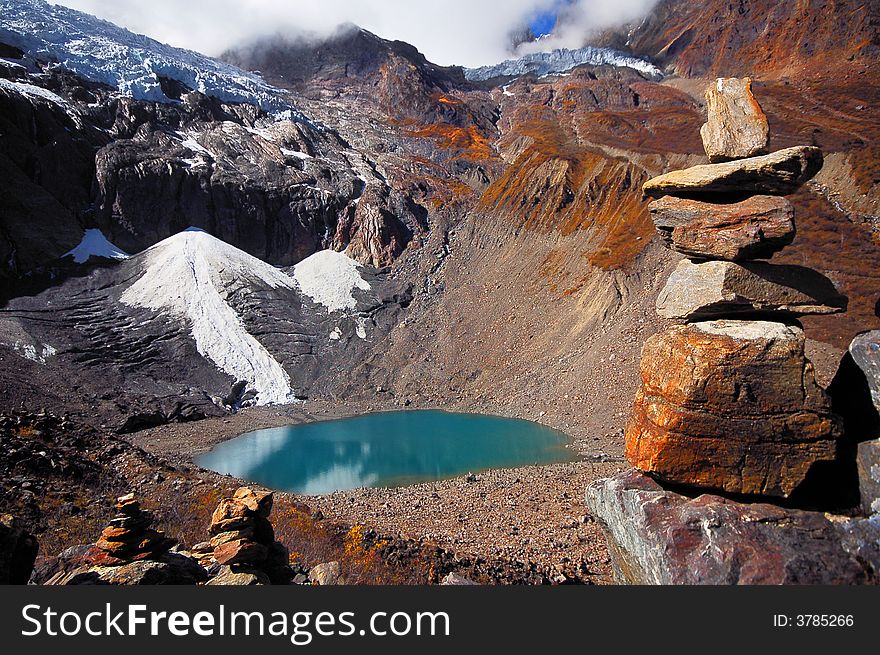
x,y
728,400
244,550
129,538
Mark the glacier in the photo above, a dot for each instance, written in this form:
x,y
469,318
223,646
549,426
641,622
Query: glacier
x,y
560,61
100,51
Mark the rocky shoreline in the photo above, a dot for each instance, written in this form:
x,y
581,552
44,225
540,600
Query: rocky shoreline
x,y
531,516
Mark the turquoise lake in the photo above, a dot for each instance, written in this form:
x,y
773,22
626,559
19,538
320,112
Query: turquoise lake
x,y
384,450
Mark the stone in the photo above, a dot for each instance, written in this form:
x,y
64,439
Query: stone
x,y
717,289
232,578
736,126
865,351
456,580
231,515
18,551
754,228
778,173
232,535
240,551
326,574
169,569
868,464
259,502
659,537
730,406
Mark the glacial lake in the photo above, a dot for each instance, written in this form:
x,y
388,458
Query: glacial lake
x,y
385,449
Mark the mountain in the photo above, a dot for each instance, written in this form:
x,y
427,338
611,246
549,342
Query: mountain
x,y
561,61
374,231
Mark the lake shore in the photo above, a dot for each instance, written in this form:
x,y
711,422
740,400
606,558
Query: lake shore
x,y
533,516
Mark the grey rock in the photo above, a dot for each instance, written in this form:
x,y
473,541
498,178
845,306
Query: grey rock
x,y
229,577
656,536
715,289
326,574
736,125
778,173
456,580
865,351
868,464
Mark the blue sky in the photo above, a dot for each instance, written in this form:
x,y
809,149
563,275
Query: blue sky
x,y
543,23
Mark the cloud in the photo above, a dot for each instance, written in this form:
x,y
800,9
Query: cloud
x,y
466,32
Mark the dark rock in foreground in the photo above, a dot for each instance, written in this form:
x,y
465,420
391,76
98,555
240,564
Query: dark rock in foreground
x,y
660,537
778,173
18,550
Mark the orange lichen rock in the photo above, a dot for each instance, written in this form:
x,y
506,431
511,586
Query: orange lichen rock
x,y
731,406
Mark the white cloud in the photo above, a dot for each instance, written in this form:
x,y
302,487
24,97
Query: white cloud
x,y
466,32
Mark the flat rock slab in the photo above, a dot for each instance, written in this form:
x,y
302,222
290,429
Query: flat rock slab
x,y
868,464
730,406
778,173
736,125
865,350
656,536
754,228
720,289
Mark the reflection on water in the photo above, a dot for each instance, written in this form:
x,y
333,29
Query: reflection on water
x,y
383,450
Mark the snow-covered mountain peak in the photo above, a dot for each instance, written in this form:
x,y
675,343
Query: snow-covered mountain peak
x,y
560,61
190,276
103,52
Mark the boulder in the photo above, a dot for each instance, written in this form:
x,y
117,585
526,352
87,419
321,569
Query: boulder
x,y
718,289
779,173
231,515
731,406
753,228
456,580
240,551
656,536
258,501
865,351
229,577
326,574
868,463
18,551
736,125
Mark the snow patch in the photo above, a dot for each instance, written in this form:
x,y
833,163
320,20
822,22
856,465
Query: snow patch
x,y
560,61
330,278
95,244
103,52
190,276
29,351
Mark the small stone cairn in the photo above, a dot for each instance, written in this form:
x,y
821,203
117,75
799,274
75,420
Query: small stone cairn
x,y
728,400
129,538
243,542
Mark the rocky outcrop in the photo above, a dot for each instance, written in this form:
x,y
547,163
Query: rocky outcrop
x,y
697,291
868,464
732,406
326,574
781,172
656,536
736,126
754,228
244,541
18,550
865,351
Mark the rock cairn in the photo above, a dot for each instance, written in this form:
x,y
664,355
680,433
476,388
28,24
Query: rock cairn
x,y
728,401
243,541
129,538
